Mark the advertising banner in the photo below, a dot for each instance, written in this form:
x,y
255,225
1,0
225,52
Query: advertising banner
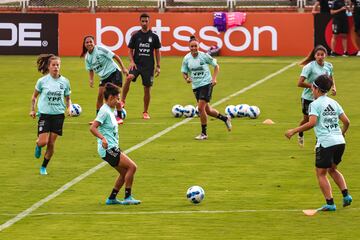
x,y
28,33
262,34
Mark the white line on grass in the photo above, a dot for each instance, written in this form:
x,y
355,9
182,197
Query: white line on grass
x,y
170,212
62,189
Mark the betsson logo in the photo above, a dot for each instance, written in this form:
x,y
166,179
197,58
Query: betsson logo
x,y
176,33
20,35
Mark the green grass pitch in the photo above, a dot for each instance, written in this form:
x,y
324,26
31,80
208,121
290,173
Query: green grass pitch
x,y
256,181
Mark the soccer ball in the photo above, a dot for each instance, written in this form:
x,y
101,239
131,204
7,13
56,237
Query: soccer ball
x,y
189,111
75,110
195,194
253,111
123,113
231,110
197,113
242,110
177,110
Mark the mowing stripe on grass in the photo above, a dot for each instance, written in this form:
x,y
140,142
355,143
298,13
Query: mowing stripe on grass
x,y
38,204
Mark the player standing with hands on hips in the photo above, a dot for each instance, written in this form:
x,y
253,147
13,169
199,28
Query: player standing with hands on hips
x,y
142,46
324,116
196,71
52,89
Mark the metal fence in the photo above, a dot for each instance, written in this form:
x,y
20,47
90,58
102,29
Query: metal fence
x,y
93,5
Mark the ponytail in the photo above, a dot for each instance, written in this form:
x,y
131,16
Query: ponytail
x,y
311,56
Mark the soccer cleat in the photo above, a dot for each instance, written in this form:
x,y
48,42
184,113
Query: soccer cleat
x,y
113,201
130,201
146,115
37,151
301,141
228,123
43,170
119,120
328,207
201,137
347,200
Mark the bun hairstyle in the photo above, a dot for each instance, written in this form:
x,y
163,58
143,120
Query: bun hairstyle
x,y
43,62
323,83
311,56
111,90
192,38
84,50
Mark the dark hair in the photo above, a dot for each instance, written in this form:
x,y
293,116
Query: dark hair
x,y
144,15
311,56
111,90
192,38
43,62
323,83
84,49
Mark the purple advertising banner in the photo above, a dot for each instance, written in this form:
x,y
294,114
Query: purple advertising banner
x,y
28,34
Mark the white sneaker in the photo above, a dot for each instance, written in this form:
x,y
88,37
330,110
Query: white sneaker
x,y
228,123
201,137
358,54
301,141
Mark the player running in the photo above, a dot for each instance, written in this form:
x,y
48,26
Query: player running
x,y
52,89
195,70
314,65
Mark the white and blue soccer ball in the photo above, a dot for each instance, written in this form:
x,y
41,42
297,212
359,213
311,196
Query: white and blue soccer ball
x,y
197,113
195,194
231,110
189,111
75,110
123,113
253,112
242,110
177,110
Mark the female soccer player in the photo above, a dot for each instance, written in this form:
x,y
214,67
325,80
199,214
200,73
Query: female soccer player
x,y
99,59
52,89
105,128
195,70
324,117
314,66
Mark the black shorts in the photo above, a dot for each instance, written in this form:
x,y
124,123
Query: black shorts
x,y
147,75
340,27
325,157
113,156
356,16
51,123
203,93
305,106
115,78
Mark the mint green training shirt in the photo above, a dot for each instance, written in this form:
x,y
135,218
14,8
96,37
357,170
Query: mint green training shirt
x,y
311,71
52,92
108,128
198,69
327,128
101,62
